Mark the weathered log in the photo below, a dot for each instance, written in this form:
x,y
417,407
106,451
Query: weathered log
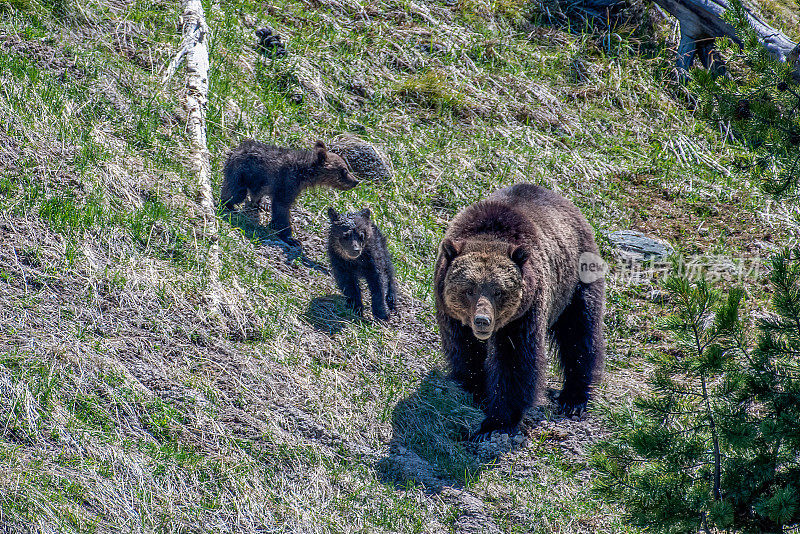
x,y
194,50
701,22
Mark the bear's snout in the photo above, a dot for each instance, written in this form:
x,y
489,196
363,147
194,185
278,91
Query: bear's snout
x,y
346,182
483,319
351,182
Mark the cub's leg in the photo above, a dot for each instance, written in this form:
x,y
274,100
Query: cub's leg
x,y
579,336
347,280
281,221
391,291
377,288
391,297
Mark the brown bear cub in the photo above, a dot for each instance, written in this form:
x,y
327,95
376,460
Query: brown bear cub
x,y
280,174
357,249
507,278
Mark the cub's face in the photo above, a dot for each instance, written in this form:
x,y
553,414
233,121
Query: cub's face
x,y
349,232
331,170
484,289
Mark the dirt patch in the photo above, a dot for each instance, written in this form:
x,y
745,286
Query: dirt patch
x,y
9,151
696,226
45,54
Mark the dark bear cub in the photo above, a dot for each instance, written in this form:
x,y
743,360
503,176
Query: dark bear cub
x,y
509,278
357,249
280,174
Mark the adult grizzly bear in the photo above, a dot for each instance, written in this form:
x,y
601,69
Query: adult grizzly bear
x,y
506,279
280,174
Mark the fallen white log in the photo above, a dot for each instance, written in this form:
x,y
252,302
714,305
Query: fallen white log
x,y
195,51
701,22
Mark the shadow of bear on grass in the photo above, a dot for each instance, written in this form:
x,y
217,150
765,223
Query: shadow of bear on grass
x,y
329,314
426,448
264,236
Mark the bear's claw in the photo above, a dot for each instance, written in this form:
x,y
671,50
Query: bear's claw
x,y
570,409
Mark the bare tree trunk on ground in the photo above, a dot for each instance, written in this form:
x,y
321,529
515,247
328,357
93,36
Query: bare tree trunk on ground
x,y
701,21
195,50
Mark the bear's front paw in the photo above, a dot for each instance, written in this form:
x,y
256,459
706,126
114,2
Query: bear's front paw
x,y
380,316
571,407
480,437
488,428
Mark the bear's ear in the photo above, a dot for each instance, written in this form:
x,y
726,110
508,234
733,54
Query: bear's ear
x,y
518,255
320,152
333,215
366,213
451,249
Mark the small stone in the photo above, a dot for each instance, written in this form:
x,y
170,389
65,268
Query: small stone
x,y
359,87
659,297
232,112
432,48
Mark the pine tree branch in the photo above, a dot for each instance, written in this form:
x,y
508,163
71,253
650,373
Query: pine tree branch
x,y
715,441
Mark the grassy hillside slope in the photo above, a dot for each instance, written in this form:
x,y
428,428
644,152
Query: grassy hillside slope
x,y
125,406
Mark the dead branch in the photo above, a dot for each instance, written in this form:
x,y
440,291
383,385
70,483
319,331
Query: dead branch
x,y
701,22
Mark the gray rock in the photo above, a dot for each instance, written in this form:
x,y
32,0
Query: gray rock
x,y
638,246
359,87
497,445
403,465
366,160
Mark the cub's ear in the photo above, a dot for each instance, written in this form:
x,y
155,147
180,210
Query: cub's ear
x,y
320,153
366,213
333,215
451,248
518,255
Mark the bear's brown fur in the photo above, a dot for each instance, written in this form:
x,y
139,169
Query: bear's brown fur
x,y
280,174
507,275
